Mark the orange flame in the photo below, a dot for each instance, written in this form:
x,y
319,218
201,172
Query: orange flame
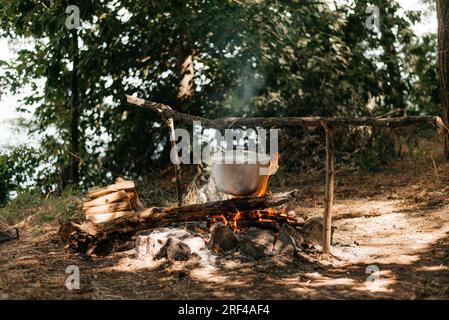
x,y
271,170
225,221
270,211
235,219
261,215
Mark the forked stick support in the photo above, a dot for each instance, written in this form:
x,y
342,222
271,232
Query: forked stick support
x,y
329,198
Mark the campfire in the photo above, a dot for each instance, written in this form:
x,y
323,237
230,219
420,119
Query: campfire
x,y
236,218
253,216
270,218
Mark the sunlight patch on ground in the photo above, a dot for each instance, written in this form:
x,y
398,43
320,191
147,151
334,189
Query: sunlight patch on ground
x,y
433,268
317,280
365,207
388,236
207,274
382,282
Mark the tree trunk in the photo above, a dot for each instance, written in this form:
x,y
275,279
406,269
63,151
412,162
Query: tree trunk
x,y
184,64
443,63
75,114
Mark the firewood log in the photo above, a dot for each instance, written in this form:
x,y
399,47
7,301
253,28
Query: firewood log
x,y
107,199
122,185
113,207
106,217
135,200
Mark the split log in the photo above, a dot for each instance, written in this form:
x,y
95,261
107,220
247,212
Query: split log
x,y
112,202
134,200
108,216
107,199
224,123
118,186
113,207
87,236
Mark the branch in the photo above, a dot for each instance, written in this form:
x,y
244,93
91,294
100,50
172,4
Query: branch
x,y
223,123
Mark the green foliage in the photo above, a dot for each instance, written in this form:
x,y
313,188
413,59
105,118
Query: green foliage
x,y
40,207
264,58
369,161
6,185
425,96
16,166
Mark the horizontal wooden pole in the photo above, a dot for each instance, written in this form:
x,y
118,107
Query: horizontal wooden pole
x,y
223,123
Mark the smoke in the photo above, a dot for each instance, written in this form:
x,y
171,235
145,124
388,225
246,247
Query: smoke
x,y
248,86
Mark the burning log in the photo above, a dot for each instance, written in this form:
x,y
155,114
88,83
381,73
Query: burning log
x,y
88,236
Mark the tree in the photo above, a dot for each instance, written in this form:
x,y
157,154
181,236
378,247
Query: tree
x,y
213,58
395,89
443,62
75,113
6,185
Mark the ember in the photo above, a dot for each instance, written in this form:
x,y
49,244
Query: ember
x,y
273,216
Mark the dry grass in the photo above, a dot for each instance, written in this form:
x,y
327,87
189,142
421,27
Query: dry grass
x,y
397,219
36,209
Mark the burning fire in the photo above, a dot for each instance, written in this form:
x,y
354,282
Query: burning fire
x,y
269,215
232,220
274,166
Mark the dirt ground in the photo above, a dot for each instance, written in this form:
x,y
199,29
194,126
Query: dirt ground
x,y
395,223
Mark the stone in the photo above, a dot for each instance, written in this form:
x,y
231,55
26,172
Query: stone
x,y
289,240
9,234
223,239
312,231
150,243
143,246
262,237
299,220
252,250
291,214
174,249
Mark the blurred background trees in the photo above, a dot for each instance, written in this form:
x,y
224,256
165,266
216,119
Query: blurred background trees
x,y
209,58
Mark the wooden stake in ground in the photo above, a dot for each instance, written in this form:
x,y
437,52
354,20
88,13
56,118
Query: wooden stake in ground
x,y
327,230
175,158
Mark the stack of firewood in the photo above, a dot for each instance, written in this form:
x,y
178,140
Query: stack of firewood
x,y
112,202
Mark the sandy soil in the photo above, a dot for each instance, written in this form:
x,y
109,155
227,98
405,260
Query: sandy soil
x,y
394,223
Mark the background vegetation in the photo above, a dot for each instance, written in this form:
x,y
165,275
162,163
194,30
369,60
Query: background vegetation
x,y
210,58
